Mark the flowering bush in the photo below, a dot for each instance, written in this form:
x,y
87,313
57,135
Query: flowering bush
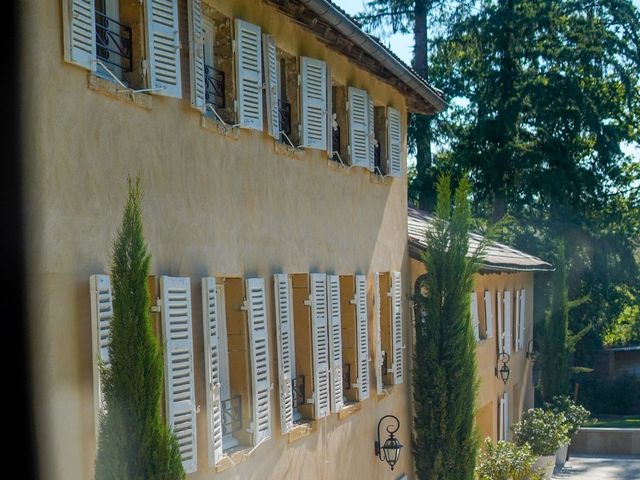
x,y
575,415
506,461
543,430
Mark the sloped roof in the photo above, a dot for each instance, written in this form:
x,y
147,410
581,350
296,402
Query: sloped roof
x,y
497,257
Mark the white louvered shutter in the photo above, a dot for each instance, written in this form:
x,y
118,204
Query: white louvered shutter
x,y
259,342
196,55
377,340
523,317
500,310
285,340
101,316
335,344
394,136
320,338
505,415
271,83
516,313
210,320
329,118
372,146
488,312
396,312
358,127
475,320
363,337
508,319
314,103
163,41
249,74
179,381
501,416
80,32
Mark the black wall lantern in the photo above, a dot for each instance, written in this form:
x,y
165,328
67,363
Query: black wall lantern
x,y
504,370
532,351
390,451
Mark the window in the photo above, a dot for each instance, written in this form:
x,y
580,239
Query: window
x,y
380,147
388,325
339,124
488,313
288,104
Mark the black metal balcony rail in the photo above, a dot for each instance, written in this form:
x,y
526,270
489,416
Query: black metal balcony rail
x,y
385,364
113,42
214,86
284,112
335,138
231,411
298,391
346,376
376,155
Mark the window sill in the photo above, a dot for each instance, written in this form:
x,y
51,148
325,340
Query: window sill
x,y
387,390
288,150
337,166
233,458
380,179
349,410
220,128
112,89
301,430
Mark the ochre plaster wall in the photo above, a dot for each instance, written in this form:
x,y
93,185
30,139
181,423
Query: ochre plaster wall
x,y
213,205
491,388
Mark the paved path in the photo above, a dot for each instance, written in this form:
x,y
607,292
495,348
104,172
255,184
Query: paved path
x,y
611,467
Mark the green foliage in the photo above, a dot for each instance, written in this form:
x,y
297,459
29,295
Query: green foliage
x,y
134,442
626,328
543,430
575,415
445,383
617,396
506,461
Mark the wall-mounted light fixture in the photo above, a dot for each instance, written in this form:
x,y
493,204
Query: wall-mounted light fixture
x,y
504,370
390,451
532,350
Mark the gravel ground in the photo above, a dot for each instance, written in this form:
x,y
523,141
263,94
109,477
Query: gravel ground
x,y
586,467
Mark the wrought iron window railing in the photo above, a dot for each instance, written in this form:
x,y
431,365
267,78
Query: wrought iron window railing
x,y
284,112
376,155
384,366
335,139
298,390
231,410
346,376
113,42
214,86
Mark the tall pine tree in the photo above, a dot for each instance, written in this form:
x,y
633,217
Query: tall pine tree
x,y
134,442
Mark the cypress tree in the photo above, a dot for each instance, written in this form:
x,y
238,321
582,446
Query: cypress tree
x,y
134,442
445,440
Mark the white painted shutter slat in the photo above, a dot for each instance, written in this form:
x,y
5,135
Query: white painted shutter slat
x,y
210,320
80,31
377,340
335,344
163,41
475,320
500,310
249,74
516,313
505,414
314,103
488,313
329,119
396,306
363,337
259,342
372,147
394,136
508,319
286,355
358,127
179,381
320,338
523,317
271,83
196,55
101,317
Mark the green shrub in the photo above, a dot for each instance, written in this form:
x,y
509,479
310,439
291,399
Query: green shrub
x,y
543,430
506,461
576,415
619,396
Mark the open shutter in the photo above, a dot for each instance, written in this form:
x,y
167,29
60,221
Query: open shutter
x,y
285,340
196,55
259,342
501,423
335,343
163,41
249,73
394,137
508,319
523,316
377,340
475,320
372,146
210,320
101,316
488,312
500,310
329,119
181,410
320,337
271,84
505,415
80,32
396,306
363,337
358,127
314,103
516,313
